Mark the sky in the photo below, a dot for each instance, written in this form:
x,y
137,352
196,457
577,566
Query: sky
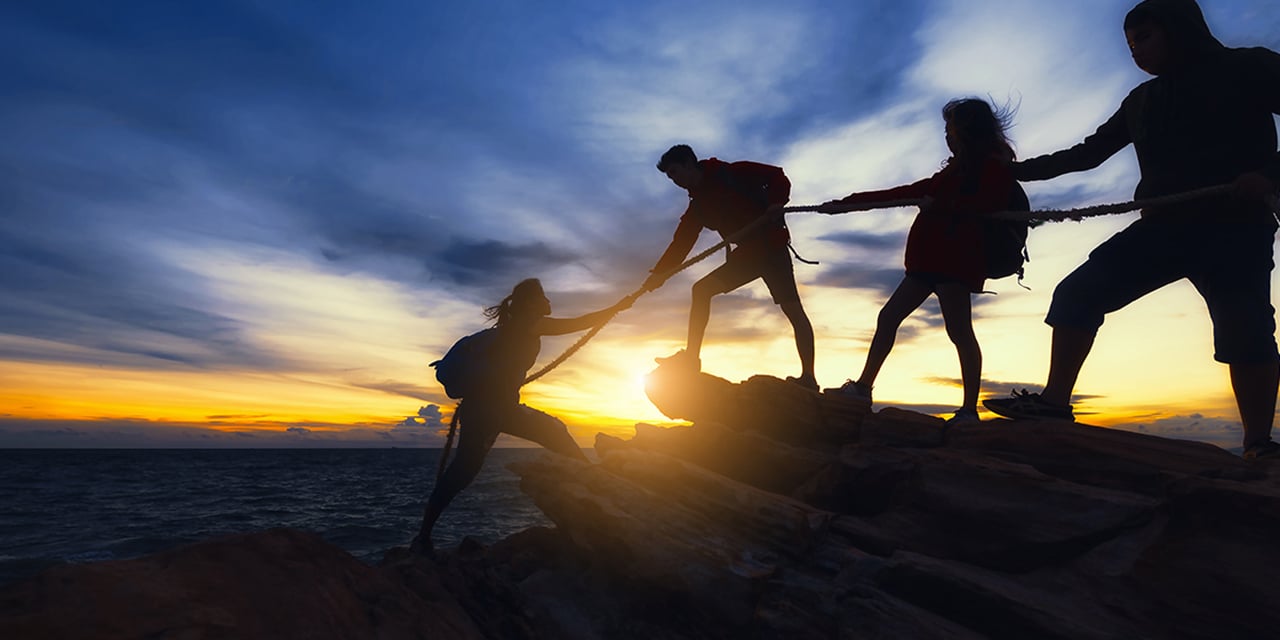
x,y
253,224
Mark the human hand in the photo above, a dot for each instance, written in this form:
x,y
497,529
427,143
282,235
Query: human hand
x,y
624,303
1253,186
654,281
830,207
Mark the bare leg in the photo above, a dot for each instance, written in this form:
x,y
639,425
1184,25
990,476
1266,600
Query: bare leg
x,y
1070,348
957,313
1255,386
908,297
546,430
473,446
700,313
803,330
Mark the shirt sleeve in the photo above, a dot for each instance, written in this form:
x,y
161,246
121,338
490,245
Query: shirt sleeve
x,y
911,191
1110,138
685,237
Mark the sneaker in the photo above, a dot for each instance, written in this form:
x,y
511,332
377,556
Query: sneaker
x,y
855,391
1023,405
681,360
1268,449
808,383
963,417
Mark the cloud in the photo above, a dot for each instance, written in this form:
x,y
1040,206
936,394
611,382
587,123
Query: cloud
x,y
1223,432
109,433
429,421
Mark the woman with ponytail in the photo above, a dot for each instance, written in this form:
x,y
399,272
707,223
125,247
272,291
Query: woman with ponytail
x,y
521,319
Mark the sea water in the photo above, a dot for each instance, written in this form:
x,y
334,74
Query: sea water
x,y
83,505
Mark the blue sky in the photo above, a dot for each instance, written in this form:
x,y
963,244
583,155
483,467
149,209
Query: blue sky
x,y
321,196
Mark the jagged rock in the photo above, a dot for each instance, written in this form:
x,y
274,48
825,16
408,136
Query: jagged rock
x,y
746,456
779,513
274,584
775,408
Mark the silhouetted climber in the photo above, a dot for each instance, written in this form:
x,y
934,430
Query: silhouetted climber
x,y
726,197
1204,119
944,255
492,404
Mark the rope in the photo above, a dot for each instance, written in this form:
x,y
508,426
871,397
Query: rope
x,y
738,235
1044,215
448,444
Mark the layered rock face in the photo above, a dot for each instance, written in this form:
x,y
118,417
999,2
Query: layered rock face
x,y
779,513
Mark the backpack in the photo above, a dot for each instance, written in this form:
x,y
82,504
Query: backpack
x,y
464,366
1005,241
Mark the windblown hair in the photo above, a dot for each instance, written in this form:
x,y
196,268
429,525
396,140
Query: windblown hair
x,y
983,129
501,313
679,154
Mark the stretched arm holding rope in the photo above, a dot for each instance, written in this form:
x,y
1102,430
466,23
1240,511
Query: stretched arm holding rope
x,y
656,279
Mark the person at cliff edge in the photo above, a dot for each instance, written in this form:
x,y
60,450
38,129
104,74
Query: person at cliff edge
x,y
726,197
1205,119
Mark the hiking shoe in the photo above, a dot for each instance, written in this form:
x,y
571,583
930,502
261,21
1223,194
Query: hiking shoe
x,y
964,417
1023,405
1268,449
808,383
681,360
854,390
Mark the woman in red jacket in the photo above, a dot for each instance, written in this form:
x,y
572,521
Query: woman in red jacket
x,y
944,254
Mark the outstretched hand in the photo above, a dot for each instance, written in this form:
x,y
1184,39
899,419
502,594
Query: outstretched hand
x,y
1254,186
654,281
830,207
625,303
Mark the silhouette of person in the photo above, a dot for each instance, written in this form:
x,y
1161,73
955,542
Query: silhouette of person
x,y
522,318
725,197
1205,119
944,254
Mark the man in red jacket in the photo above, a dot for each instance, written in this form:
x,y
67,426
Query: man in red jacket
x,y
726,197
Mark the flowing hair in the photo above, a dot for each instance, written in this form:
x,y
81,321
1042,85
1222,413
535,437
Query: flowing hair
x,y
501,313
984,129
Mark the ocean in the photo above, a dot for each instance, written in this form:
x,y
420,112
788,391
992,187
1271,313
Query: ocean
x,y
85,505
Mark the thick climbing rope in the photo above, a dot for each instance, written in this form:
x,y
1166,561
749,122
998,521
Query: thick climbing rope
x,y
1041,215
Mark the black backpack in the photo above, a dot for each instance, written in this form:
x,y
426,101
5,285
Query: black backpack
x,y
465,365
1005,241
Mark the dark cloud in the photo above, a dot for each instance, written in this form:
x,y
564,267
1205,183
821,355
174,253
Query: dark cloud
x,y
406,389
865,277
868,241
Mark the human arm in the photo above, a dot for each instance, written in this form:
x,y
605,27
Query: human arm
x,y
548,326
856,200
1266,180
686,235
1110,138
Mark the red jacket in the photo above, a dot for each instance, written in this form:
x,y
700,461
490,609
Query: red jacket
x,y
946,237
729,197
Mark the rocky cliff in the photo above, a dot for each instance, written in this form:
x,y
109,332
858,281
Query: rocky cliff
x,y
779,513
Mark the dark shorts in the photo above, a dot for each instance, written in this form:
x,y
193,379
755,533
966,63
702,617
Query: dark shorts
x,y
774,266
1228,263
935,279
